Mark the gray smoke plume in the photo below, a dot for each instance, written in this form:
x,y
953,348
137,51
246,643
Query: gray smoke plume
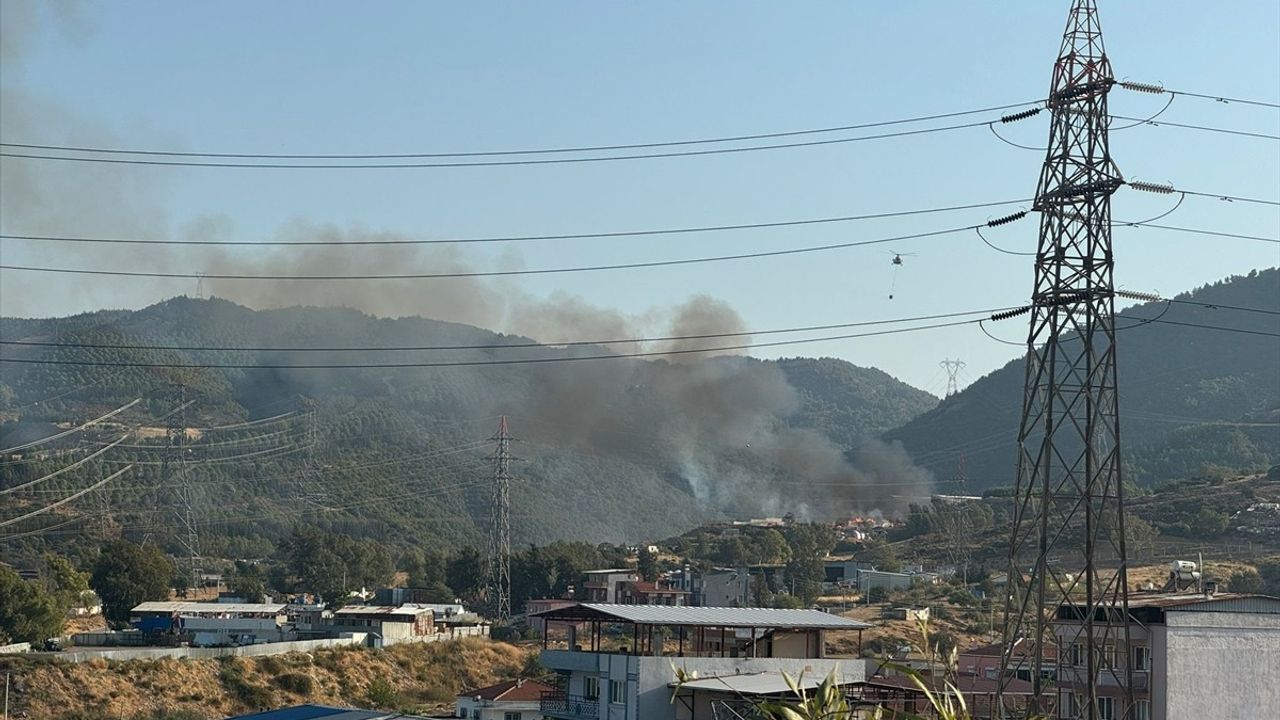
x,y
717,420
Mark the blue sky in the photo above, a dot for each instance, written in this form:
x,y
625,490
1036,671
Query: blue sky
x,y
334,77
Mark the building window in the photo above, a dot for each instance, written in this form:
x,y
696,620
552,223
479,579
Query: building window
x,y
1141,710
1077,655
1141,658
617,692
591,687
1106,708
510,716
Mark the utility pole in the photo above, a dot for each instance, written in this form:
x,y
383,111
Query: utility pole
x,y
175,471
499,584
1068,499
953,368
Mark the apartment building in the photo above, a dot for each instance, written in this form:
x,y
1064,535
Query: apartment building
x,y
619,662
1192,655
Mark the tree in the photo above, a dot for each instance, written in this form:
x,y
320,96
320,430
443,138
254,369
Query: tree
x,y
1246,581
63,582
882,556
27,612
465,573
248,582
127,574
809,544
647,565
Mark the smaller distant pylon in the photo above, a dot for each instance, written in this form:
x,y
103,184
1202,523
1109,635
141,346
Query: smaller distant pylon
x,y
953,368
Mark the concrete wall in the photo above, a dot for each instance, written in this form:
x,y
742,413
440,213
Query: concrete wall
x,y
15,648
490,710
1222,665
154,653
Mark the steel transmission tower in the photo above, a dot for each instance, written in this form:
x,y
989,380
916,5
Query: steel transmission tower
x,y
309,487
1067,556
953,368
499,580
175,470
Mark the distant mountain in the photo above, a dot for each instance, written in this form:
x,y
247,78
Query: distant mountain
x,y
1192,400
610,450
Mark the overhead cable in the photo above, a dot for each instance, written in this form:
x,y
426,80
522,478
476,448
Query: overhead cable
x,y
500,346
476,363
67,499
534,151
60,471
487,163
1157,89
490,273
521,238
73,430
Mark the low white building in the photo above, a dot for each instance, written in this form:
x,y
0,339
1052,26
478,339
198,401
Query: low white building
x,y
392,624
214,623
511,700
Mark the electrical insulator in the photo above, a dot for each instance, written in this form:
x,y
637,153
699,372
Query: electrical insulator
x,y
1007,219
1015,117
1142,87
1132,295
1158,188
1006,314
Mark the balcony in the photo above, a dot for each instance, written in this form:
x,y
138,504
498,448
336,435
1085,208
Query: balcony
x,y
570,707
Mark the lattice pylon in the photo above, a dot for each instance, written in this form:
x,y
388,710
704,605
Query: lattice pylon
x,y
1068,520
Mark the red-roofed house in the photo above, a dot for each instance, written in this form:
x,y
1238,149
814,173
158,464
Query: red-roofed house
x,y
511,700
641,592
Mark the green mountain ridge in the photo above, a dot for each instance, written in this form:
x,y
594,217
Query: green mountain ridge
x,y
1193,400
614,450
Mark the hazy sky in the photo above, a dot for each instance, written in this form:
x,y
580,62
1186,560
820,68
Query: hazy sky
x,y
305,77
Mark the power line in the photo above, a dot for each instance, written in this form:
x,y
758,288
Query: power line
x,y
1217,327
1196,231
67,499
499,346
492,273
534,151
522,238
1226,131
1156,89
73,430
492,163
475,363
60,471
1231,198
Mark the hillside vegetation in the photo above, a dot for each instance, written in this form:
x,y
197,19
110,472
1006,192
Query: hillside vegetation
x,y
408,677
1192,400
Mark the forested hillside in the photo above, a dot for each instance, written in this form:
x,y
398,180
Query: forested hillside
x,y
608,450
1193,400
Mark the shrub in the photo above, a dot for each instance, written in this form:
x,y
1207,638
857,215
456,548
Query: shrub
x,y
382,695
295,683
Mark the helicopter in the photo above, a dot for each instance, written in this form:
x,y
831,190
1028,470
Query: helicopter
x,y
896,262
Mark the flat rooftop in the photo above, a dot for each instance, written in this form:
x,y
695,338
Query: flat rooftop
x,y
209,608
676,615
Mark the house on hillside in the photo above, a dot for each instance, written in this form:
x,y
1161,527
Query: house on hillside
x,y
617,662
602,585
511,700
392,624
641,592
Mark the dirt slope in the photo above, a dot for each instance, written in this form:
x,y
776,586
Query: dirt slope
x,y
419,678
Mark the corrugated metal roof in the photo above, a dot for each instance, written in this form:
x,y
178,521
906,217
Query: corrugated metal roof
x,y
761,683
208,607
1222,602
713,616
382,610
318,712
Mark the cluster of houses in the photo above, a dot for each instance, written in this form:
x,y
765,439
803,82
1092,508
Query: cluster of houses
x,y
222,624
